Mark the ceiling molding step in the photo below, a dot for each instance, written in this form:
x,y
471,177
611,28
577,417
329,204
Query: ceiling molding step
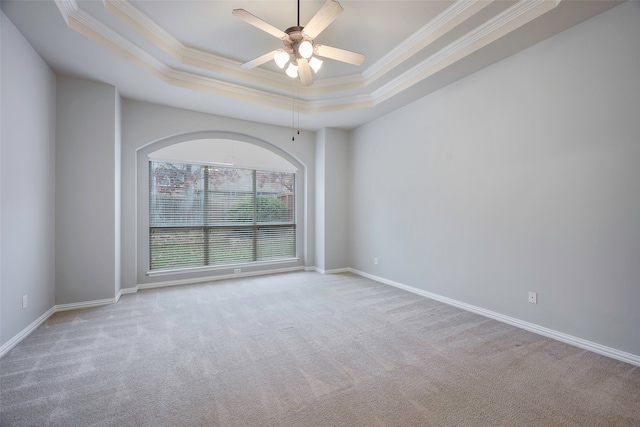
x,y
79,20
512,18
188,55
450,18
134,18
283,102
149,29
66,8
230,90
90,27
336,84
85,24
337,104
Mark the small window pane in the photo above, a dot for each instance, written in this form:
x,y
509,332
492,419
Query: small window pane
x,y
231,245
230,196
275,243
175,195
275,202
176,247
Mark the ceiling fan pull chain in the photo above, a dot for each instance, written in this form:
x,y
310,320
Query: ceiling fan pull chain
x,y
293,113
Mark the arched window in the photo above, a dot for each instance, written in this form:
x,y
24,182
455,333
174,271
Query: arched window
x,y
220,202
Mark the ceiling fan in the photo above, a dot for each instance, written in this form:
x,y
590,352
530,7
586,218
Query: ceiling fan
x,y
299,47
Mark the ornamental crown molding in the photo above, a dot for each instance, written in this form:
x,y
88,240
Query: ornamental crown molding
x,y
202,70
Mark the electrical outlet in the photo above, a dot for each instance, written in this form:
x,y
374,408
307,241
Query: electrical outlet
x,y
375,261
24,301
533,297
237,270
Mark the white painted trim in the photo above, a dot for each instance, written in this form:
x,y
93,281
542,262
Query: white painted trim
x,y
188,55
531,327
275,85
86,304
215,278
6,347
541,330
55,309
334,271
205,268
454,15
512,18
25,332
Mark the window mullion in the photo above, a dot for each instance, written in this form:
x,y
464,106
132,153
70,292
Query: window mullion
x,y
255,216
205,215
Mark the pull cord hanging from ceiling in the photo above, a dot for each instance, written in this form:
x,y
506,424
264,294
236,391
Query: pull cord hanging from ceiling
x,y
295,104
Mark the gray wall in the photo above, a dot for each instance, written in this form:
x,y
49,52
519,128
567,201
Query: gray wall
x,y
521,177
87,191
332,151
27,177
147,127
320,202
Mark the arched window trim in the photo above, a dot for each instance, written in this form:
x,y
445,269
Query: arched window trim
x,y
190,274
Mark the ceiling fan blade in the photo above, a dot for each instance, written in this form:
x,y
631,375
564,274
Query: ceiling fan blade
x,y
340,54
304,71
321,20
258,23
259,60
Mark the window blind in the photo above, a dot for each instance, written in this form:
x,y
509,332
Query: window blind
x,y
205,215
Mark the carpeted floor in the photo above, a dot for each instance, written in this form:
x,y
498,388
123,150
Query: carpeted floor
x,y
303,349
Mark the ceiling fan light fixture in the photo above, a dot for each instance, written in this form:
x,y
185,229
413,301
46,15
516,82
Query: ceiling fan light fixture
x,y
281,58
315,64
292,71
305,49
299,44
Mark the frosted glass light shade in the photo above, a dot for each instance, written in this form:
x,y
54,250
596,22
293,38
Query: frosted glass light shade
x,y
305,49
292,71
315,64
281,58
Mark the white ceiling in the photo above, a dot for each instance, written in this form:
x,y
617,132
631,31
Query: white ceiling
x,y
187,54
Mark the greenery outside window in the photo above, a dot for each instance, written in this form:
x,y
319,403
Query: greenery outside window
x,y
203,215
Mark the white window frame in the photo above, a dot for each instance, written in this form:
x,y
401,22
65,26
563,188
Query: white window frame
x,y
147,278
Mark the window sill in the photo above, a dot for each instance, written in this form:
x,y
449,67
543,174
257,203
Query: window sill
x,y
226,267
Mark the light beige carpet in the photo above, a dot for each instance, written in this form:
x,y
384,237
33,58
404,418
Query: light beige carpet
x,y
303,349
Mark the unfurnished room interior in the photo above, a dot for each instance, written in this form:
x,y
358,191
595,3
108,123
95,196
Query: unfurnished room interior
x,y
320,213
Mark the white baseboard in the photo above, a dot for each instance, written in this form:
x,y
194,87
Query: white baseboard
x,y
334,271
560,336
532,327
55,309
25,332
86,304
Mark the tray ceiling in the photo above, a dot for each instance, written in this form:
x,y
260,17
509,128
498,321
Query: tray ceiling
x,y
188,53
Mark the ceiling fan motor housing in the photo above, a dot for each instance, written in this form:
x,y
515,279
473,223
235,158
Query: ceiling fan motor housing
x,y
296,37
